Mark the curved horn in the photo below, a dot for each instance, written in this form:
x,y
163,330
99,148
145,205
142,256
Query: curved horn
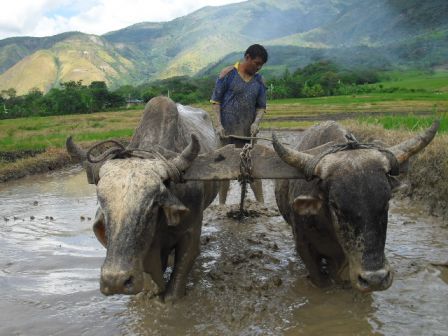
x,y
184,159
410,147
290,156
75,151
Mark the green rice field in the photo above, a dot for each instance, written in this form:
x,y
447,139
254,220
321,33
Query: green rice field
x,y
397,110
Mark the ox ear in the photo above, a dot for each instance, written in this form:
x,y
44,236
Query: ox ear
x,y
99,228
173,208
396,185
307,205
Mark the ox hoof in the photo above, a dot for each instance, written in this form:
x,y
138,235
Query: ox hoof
x,y
171,297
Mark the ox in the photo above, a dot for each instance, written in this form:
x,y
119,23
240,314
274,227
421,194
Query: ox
x,y
143,214
339,214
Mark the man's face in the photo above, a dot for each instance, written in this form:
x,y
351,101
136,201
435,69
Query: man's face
x,y
253,65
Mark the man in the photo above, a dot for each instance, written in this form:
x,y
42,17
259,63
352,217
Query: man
x,y
239,102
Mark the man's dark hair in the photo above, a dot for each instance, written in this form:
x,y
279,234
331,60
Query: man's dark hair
x,y
257,50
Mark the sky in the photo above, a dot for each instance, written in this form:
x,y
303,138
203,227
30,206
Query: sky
x,y
51,17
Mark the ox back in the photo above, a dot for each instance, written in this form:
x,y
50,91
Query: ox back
x,y
170,126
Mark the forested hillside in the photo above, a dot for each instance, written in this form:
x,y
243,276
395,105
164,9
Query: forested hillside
x,y
381,34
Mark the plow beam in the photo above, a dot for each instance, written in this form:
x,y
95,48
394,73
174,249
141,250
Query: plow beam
x,y
224,164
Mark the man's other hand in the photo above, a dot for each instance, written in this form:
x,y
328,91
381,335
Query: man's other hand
x,y
220,131
254,129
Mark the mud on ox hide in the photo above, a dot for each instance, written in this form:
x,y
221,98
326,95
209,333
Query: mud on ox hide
x,y
339,215
143,215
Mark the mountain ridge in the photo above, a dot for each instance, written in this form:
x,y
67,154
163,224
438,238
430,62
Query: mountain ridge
x,y
204,39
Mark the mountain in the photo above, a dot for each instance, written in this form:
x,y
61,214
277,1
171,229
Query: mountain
x,y
77,56
377,33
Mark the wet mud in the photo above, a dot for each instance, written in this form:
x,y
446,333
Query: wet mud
x,y
247,280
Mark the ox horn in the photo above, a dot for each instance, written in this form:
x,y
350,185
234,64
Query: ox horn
x,y
410,147
290,156
184,159
75,151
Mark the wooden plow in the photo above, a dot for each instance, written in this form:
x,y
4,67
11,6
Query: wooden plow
x,y
224,164
244,165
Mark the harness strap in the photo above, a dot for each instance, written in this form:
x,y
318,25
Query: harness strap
x,y
351,144
118,151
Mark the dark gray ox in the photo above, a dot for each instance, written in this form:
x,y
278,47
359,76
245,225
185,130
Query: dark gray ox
x,y
143,214
339,216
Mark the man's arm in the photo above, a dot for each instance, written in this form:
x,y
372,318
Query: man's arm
x,y
218,126
260,106
217,97
255,127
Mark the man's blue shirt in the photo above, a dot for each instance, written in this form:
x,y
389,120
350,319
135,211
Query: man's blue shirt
x,y
239,100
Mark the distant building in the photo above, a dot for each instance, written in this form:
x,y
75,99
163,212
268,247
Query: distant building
x,y
133,102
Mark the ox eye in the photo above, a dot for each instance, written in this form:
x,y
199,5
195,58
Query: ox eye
x,y
332,204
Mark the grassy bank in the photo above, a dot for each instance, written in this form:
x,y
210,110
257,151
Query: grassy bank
x,y
44,138
50,132
407,122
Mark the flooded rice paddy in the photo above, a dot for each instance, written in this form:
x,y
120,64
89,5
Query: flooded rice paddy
x,y
246,281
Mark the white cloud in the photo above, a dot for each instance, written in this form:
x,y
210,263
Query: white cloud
x,y
50,17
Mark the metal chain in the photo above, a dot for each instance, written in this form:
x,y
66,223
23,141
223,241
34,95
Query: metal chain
x,y
245,176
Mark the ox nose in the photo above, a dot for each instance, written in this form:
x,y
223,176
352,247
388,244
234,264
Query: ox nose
x,y
374,280
120,282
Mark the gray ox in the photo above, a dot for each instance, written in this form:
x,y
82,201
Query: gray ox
x,y
339,216
143,214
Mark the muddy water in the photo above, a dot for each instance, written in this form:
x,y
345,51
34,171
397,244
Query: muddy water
x,y
247,280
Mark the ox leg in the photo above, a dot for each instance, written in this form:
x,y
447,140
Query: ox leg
x,y
186,252
313,262
223,190
257,188
153,266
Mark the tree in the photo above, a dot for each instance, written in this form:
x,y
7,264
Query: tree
x,y
33,102
9,93
329,82
100,95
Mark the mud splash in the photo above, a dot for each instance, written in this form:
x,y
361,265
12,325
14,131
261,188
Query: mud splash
x,y
246,281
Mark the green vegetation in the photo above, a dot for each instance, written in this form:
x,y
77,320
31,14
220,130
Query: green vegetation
x,y
407,122
72,98
416,80
38,133
322,87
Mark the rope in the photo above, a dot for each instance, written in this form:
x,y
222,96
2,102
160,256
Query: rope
x,y
351,144
120,152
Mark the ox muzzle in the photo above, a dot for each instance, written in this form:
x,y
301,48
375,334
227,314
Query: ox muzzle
x,y
118,279
369,281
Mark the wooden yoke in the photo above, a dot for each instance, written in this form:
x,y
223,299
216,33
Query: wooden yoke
x,y
224,164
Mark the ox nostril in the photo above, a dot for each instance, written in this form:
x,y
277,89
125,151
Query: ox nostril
x,y
129,282
363,282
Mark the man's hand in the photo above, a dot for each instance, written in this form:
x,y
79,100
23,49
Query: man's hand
x,y
220,131
254,129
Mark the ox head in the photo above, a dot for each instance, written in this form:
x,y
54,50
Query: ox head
x,y
134,203
353,190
